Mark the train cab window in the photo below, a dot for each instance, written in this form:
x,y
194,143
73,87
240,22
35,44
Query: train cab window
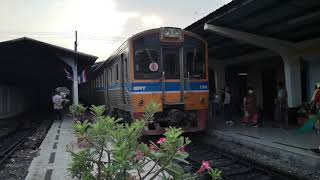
x,y
194,63
146,64
171,63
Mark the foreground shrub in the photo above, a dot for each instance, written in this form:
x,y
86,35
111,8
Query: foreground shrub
x,y
77,111
114,150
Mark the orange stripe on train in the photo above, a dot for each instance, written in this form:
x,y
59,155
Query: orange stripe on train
x,y
192,100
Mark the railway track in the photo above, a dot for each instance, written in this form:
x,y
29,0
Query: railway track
x,y
10,142
232,167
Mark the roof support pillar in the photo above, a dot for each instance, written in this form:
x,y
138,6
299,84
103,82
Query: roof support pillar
x,y
287,50
219,75
292,73
74,65
75,88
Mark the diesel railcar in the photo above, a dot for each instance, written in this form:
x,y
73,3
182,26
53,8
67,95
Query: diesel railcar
x,y
165,65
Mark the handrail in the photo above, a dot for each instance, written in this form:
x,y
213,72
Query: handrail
x,y
163,85
188,82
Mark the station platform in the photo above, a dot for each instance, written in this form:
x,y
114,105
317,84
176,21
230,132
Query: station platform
x,y
285,147
52,160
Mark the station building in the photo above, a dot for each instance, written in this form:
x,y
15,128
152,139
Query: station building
x,y
258,44
31,70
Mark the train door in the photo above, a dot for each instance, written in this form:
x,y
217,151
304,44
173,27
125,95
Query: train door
x,y
173,75
123,76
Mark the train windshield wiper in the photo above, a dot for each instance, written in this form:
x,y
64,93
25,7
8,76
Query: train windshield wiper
x,y
149,54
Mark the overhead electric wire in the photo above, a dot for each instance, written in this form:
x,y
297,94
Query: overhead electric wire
x,y
61,35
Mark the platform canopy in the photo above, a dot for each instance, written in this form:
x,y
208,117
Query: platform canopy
x,y
39,66
288,20
19,48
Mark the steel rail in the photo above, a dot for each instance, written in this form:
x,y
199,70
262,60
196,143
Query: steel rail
x,y
232,167
5,154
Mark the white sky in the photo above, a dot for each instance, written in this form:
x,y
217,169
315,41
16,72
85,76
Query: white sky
x,y
102,25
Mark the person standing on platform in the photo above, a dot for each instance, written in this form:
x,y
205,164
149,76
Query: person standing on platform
x,y
250,109
315,105
315,101
281,105
227,106
58,100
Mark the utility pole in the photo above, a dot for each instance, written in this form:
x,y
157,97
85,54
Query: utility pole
x,y
76,42
75,73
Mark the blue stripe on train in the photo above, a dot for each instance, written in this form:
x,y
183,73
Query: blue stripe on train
x,y
156,86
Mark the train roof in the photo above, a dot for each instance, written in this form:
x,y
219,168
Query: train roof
x,y
134,36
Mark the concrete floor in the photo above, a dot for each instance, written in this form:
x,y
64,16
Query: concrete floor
x,y
290,137
53,159
284,145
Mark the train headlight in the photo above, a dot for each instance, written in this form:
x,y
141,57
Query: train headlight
x,y
141,102
170,32
202,100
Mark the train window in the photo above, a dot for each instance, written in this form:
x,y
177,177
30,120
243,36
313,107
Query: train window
x,y
144,58
109,76
102,80
194,63
171,63
105,77
117,73
114,74
125,70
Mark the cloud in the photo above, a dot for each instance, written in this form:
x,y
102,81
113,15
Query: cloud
x,y
151,21
102,24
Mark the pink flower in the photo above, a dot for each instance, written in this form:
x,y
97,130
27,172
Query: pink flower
x,y
139,155
153,148
161,140
204,166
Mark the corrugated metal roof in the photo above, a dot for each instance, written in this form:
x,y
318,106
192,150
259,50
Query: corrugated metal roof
x,y
13,46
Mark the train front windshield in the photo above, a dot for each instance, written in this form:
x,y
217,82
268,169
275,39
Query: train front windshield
x,y
153,57
146,63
